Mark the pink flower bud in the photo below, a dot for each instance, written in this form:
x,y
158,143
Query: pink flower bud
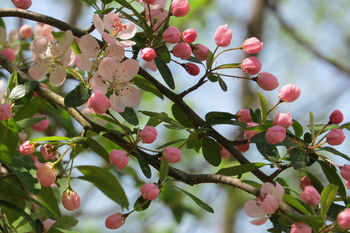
x,y
48,223
179,8
200,52
335,137
310,196
5,112
275,134
267,81
149,191
172,35
289,93
114,221
300,227
189,35
150,1
305,181
224,152
8,53
26,31
41,125
98,103
343,219
23,4
70,200
46,174
336,117
48,151
148,54
243,115
345,172
223,36
251,65
148,134
119,159
26,148
347,184
171,154
182,50
283,119
243,147
270,204
191,68
249,134
252,45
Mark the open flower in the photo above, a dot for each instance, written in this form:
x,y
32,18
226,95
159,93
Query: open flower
x,y
53,58
266,203
112,28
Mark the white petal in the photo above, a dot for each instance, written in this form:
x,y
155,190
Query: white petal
x,y
38,70
89,46
253,210
129,96
57,76
116,104
98,85
98,23
13,35
68,58
82,61
40,44
280,191
109,21
109,38
129,32
115,51
125,43
66,41
131,67
107,68
2,34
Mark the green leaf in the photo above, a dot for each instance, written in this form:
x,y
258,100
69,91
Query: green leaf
x,y
141,203
5,154
65,222
22,90
29,109
213,78
78,96
181,116
333,211
194,59
312,124
50,139
332,176
315,182
231,65
163,171
9,137
194,143
240,169
104,11
106,182
48,199
198,201
222,84
13,81
336,152
107,1
170,143
57,35
298,129
327,197
263,105
25,123
316,222
145,168
146,85
98,149
299,158
214,118
269,151
295,203
165,72
130,116
211,151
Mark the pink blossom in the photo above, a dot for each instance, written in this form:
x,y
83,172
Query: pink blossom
x,y
251,65
283,119
189,35
172,35
112,28
275,134
335,137
8,53
149,191
48,151
345,172
152,66
336,117
114,221
26,31
42,29
90,50
98,103
300,227
347,184
26,148
153,4
289,93
248,133
156,18
179,8
343,219
267,81
41,125
223,36
191,68
243,115
171,154
252,45
310,196
148,54
46,174
70,200
22,4
52,57
5,112
148,134
305,181
119,159
266,203
200,52
182,50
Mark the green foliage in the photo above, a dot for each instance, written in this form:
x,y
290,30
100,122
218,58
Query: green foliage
x,y
240,169
78,96
211,151
165,72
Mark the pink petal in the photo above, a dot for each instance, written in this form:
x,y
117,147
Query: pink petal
x,y
98,85
125,43
281,191
89,46
268,188
116,104
151,65
259,221
129,96
129,32
107,67
82,61
131,67
68,58
40,44
65,41
253,210
109,21
98,23
38,70
109,38
57,76
115,51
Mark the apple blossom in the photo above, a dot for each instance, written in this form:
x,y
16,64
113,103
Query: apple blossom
x,y
114,221
41,125
8,53
345,172
171,154
310,196
223,36
243,147
343,219
336,117
305,181
149,191
335,137
22,4
200,52
248,133
275,134
148,54
48,151
46,174
289,93
171,35
26,148
182,50
300,227
26,31
189,35
243,115
252,45
70,200
148,134
251,65
191,68
224,152
98,103
267,81
119,159
283,119
179,8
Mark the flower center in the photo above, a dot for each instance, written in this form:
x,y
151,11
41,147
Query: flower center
x,y
118,26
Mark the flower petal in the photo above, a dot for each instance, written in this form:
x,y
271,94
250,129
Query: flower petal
x,y
38,70
116,104
40,45
151,65
109,20
259,221
131,67
82,61
125,43
98,23
57,76
129,32
281,191
65,41
89,46
68,58
115,51
98,85
253,210
109,38
129,96
107,68
13,35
